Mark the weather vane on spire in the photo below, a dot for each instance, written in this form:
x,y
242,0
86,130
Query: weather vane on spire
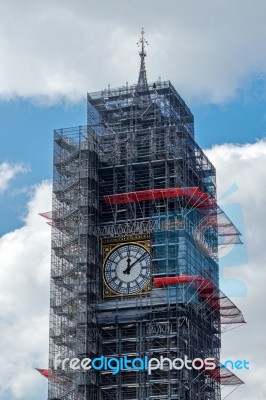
x,y
142,43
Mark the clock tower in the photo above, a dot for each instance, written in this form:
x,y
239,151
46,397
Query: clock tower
x,y
136,233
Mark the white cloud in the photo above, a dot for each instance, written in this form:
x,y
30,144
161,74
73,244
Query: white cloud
x,y
24,302
245,166
53,49
7,173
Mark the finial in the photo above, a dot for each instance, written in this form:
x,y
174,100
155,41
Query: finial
x,y
142,43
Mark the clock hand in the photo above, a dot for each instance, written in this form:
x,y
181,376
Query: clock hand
x,y
127,271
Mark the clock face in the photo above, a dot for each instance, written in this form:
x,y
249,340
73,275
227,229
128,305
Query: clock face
x,y
127,269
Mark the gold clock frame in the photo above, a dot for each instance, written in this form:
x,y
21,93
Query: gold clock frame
x,y
109,246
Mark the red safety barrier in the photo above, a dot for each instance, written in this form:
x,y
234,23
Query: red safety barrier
x,y
209,293
193,194
222,375
174,280
44,372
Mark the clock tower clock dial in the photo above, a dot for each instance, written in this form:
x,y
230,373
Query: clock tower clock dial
x,y
127,269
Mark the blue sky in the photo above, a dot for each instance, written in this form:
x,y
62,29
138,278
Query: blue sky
x,y
241,120
27,138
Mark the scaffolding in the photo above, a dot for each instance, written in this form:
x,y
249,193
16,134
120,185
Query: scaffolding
x,y
75,272
134,173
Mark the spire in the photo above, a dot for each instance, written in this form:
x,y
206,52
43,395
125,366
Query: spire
x,y
142,72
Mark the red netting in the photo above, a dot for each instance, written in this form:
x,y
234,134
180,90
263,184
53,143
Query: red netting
x,y
204,202
223,375
229,312
192,193
47,215
44,372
